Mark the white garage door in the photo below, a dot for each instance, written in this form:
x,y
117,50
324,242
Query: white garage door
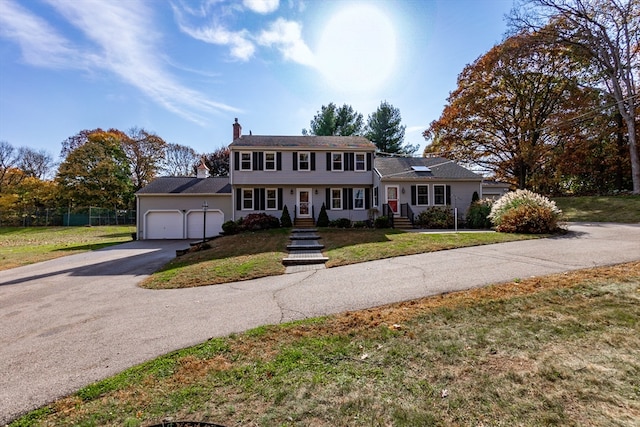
x,y
163,225
195,221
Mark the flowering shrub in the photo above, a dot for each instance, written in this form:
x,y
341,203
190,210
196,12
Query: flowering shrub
x,y
524,211
259,221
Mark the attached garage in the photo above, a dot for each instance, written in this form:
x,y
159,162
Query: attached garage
x,y
164,225
172,207
195,222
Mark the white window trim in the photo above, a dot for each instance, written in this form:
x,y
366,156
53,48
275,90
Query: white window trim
x,y
341,162
243,199
355,190
444,195
308,153
250,161
418,195
275,161
266,199
376,194
364,162
332,199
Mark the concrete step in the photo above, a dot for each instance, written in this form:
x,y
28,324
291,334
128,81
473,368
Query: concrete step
x,y
402,223
302,245
304,236
304,258
304,230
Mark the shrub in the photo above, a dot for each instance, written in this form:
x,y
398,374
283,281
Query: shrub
x,y
259,221
524,211
230,227
340,223
435,217
285,218
478,214
323,218
382,222
359,224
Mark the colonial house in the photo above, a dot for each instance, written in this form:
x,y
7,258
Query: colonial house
x,y
302,173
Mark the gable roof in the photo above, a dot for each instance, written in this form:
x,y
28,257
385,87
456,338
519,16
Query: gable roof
x,y
303,141
404,168
187,185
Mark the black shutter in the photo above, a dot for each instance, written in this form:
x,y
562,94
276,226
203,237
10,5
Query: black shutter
x,y
256,199
313,161
350,198
369,161
238,199
260,162
367,198
351,162
414,191
327,196
448,195
345,198
295,161
280,196
255,158
263,198
329,163
279,161
236,160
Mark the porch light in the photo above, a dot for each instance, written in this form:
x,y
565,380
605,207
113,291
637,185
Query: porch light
x,y
291,191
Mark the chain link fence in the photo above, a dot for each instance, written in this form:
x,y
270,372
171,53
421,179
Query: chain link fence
x,y
48,217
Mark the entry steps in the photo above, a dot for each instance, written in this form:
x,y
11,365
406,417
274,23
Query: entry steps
x,y
305,252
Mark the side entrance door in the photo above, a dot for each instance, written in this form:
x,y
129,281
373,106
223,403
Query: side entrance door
x,y
304,202
392,198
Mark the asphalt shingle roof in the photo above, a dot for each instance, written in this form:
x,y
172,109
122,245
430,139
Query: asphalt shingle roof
x,y
187,185
399,168
315,142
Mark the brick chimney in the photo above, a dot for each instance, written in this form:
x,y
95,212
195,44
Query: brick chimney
x,y
237,130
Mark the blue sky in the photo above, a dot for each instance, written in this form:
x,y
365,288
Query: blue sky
x,y
185,69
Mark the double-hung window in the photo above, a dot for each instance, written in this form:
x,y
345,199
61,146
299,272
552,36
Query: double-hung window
x,y
439,195
245,161
358,198
375,196
336,198
247,199
361,162
304,162
271,196
336,161
422,195
269,161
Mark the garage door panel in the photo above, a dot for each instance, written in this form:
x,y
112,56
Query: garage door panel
x,y
195,222
164,225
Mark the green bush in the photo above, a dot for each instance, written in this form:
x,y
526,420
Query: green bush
x,y
359,224
524,211
382,222
285,218
230,227
435,217
340,223
323,218
478,214
259,221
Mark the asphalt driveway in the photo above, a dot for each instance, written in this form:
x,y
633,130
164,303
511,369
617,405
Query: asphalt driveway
x,y
72,321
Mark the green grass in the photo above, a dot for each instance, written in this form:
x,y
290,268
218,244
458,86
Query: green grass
x,y
21,246
621,209
259,254
555,350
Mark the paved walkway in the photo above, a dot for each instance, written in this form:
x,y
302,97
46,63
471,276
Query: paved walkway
x,y
62,328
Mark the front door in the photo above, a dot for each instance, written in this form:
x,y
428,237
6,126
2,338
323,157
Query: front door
x,y
304,202
392,198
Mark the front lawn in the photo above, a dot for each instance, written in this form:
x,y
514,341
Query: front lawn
x,y
621,209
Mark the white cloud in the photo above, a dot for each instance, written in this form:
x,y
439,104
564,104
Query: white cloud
x,y
40,44
262,6
286,36
122,41
239,44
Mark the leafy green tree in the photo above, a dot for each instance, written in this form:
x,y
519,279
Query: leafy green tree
x,y
218,162
96,173
335,121
145,152
385,130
